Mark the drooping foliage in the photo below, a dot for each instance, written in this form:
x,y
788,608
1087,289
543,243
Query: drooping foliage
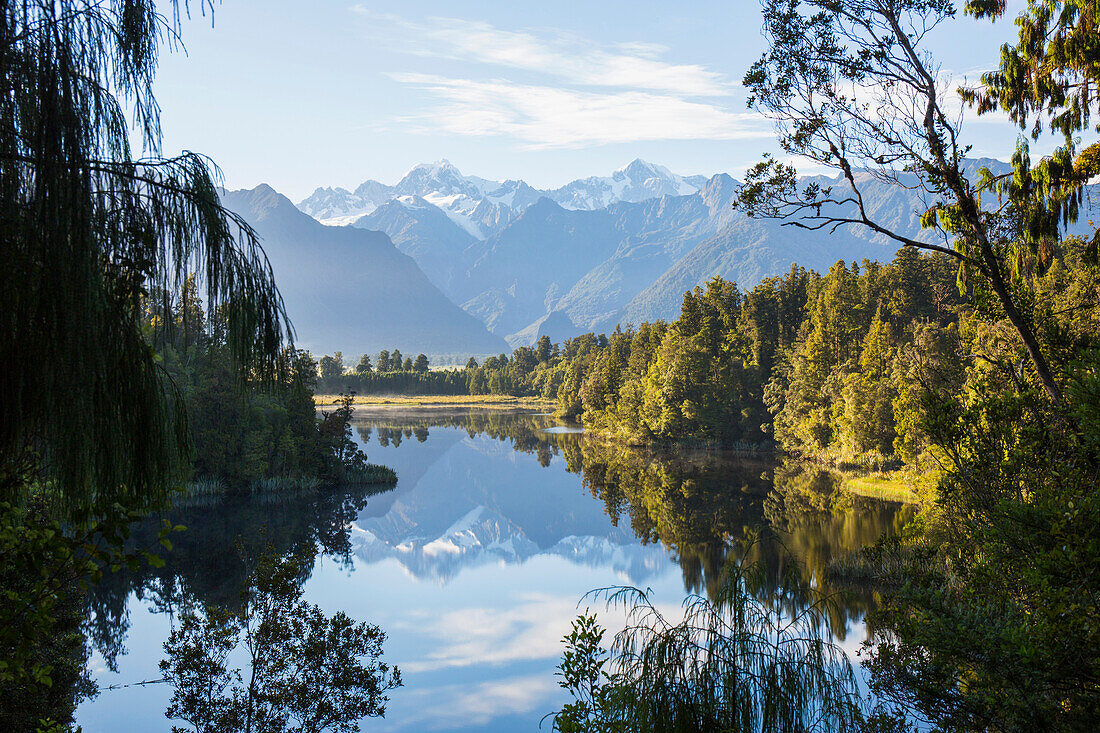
x,y
92,434
733,663
1049,79
89,231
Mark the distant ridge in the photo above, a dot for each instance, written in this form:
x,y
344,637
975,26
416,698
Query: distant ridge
x,y
601,251
351,289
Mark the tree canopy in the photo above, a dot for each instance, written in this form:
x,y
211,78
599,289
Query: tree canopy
x,y
852,87
89,232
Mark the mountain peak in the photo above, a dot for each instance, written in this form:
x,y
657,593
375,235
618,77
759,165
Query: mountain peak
x,y
436,167
439,178
639,165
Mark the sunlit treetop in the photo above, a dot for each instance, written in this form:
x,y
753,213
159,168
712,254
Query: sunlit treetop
x,y
1048,80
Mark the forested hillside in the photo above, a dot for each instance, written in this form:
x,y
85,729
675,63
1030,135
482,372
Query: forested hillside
x,y
837,365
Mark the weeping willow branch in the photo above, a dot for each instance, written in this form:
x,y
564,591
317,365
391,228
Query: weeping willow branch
x,y
89,234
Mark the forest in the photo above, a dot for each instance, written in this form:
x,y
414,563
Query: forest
x,y
843,367
247,434
148,364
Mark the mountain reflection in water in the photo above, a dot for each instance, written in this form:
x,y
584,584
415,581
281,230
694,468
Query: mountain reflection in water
x,y
475,562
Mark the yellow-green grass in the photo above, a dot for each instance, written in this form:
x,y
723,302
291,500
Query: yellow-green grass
x,y
437,401
881,487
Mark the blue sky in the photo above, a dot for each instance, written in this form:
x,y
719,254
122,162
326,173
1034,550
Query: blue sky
x,y
303,94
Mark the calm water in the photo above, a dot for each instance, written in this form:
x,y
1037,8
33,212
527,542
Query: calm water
x,y
475,563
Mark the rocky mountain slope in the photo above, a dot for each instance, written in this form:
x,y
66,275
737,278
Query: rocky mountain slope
x,y
350,289
603,250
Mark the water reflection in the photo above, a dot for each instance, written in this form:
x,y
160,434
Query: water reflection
x,y
703,507
475,562
206,564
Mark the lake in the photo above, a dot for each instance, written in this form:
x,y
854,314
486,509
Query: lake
x,y
479,558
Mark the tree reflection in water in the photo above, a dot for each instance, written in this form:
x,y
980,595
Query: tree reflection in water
x,y
707,508
204,568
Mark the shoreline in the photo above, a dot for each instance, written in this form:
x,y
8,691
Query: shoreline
x,y
883,485
437,402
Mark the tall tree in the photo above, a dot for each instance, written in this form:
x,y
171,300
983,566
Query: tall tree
x,y
544,349
850,87
331,367
88,232
385,364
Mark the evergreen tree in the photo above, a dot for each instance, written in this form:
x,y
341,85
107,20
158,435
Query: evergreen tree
x,y
384,362
543,349
331,367
421,364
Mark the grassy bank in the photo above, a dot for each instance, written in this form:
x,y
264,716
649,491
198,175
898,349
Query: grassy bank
x,y
891,487
438,401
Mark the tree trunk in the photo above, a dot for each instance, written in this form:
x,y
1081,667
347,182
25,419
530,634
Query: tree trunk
x,y
1023,328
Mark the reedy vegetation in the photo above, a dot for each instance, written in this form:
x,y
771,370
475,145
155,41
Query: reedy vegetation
x,y
734,663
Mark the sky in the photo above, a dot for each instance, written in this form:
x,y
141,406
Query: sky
x,y
301,94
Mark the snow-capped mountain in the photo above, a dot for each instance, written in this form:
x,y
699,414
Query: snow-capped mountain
x,y
483,207
339,206
634,182
484,536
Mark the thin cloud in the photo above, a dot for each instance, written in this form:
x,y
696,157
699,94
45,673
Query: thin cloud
x,y
532,629
468,705
545,117
573,59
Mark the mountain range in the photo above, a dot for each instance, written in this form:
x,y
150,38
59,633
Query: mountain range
x,y
483,207
594,253
457,506
484,265
351,289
